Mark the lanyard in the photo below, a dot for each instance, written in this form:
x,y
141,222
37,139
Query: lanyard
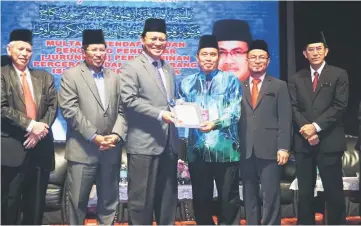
x,y
205,91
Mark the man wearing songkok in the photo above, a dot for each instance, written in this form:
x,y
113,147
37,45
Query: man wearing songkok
x,y
213,149
89,99
28,109
234,38
265,137
319,96
147,91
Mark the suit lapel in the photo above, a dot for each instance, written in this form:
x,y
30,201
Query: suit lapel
x,y
307,79
108,88
89,79
169,81
37,84
16,83
264,88
247,92
152,72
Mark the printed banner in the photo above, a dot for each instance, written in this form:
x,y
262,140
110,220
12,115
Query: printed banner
x,y
57,28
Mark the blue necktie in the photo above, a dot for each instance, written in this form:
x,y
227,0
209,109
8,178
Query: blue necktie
x,y
164,90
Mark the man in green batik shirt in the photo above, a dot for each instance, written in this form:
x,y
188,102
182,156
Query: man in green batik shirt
x,y
213,149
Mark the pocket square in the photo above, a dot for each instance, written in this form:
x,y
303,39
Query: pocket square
x,y
326,84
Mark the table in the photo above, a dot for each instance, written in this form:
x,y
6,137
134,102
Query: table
x,y
184,192
349,184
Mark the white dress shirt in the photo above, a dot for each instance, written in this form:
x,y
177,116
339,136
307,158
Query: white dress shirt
x,y
318,128
259,85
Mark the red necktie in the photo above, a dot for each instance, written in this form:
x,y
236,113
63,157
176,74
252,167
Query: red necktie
x,y
29,102
315,81
255,91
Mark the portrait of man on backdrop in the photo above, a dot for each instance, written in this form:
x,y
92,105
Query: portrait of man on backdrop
x,y
233,37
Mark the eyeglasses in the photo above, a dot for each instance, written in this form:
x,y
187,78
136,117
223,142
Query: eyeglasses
x,y
260,58
318,50
204,54
233,53
96,50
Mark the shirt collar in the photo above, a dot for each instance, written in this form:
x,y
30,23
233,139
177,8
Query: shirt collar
x,y
319,70
18,72
150,59
210,76
261,78
99,74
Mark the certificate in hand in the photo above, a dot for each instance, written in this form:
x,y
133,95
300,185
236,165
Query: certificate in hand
x,y
188,115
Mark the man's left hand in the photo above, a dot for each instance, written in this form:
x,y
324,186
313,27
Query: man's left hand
x,y
207,126
282,157
308,130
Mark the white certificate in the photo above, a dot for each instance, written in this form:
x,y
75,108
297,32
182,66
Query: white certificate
x,y
188,115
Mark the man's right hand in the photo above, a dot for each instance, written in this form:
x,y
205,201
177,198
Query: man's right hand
x,y
31,141
98,140
40,129
168,117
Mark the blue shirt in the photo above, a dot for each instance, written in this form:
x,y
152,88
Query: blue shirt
x,y
99,82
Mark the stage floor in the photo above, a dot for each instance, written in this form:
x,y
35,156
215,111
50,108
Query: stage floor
x,y
53,218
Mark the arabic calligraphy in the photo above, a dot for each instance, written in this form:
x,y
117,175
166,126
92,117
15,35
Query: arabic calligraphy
x,y
68,21
113,13
111,30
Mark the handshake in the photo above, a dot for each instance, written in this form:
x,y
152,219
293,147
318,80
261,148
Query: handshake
x,y
106,142
308,131
38,131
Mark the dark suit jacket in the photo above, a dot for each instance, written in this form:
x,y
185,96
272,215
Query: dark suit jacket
x,y
14,120
325,107
267,128
358,144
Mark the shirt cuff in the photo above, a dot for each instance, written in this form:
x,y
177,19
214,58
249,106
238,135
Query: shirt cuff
x,y
318,128
30,127
92,137
283,150
160,115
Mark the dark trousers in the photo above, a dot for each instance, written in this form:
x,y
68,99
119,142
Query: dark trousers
x,y
264,172
226,176
330,169
23,190
152,186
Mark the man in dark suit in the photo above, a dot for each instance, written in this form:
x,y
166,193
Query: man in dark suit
x,y
319,96
147,92
28,109
89,99
265,137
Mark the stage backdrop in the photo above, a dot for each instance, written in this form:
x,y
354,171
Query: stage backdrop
x,y
57,27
